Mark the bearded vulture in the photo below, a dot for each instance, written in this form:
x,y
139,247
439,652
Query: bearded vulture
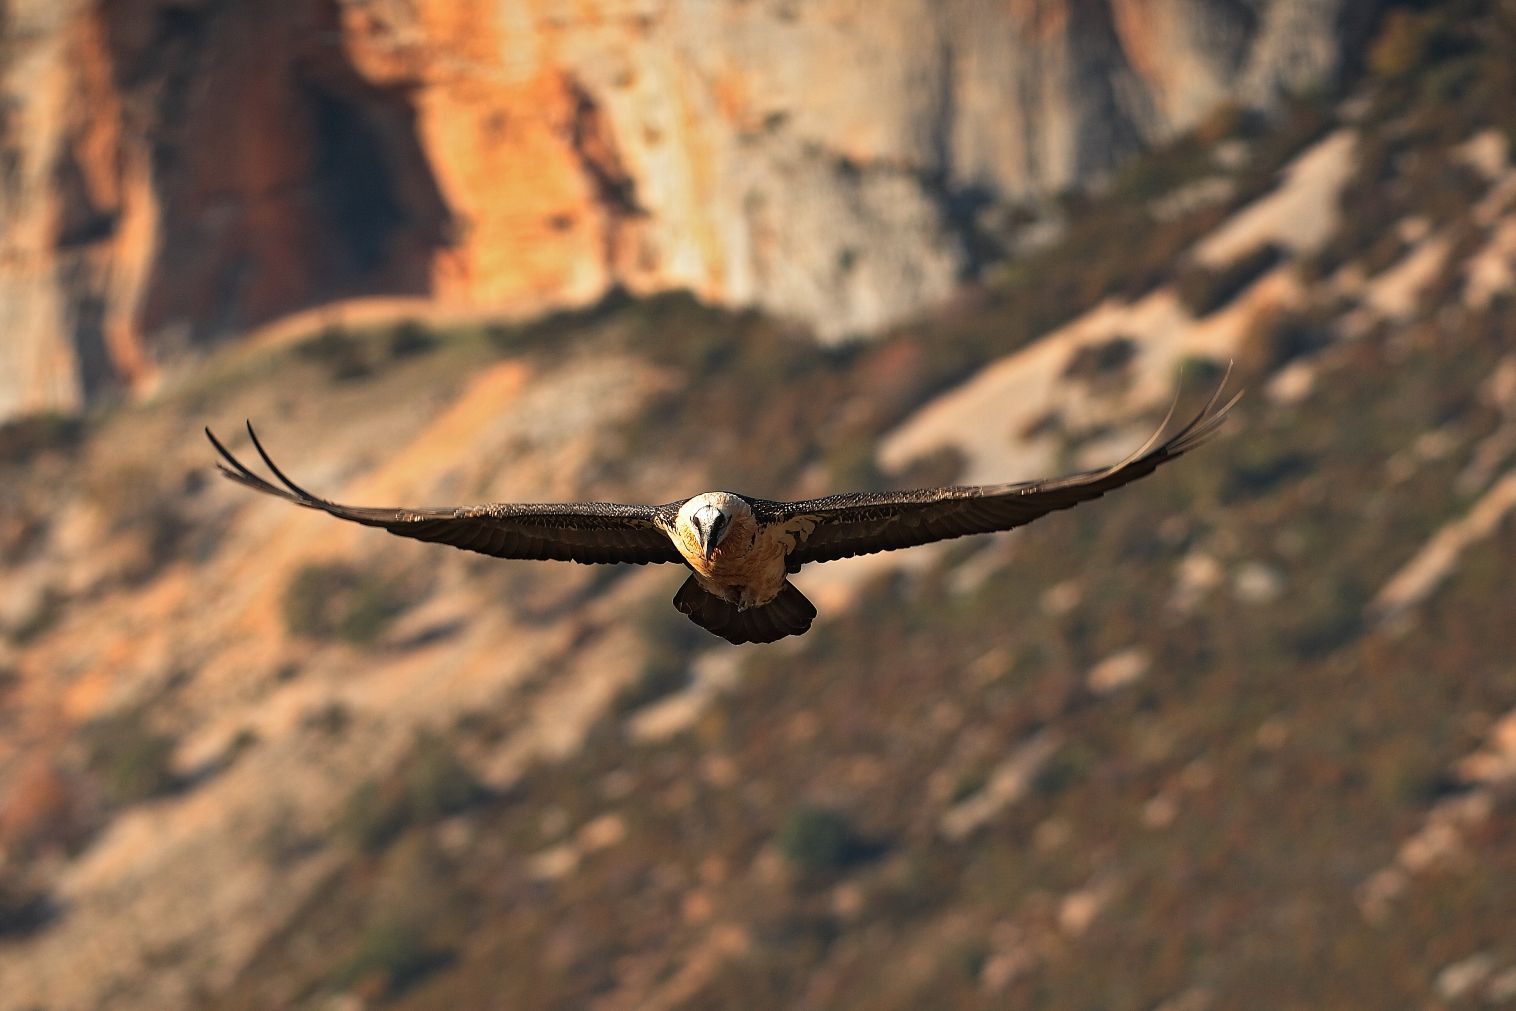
x,y
742,550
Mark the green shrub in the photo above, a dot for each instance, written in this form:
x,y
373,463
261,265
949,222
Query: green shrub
x,y
327,600
1275,337
1401,45
555,327
283,840
26,437
392,955
1199,372
343,356
372,817
1099,363
437,782
1203,290
24,909
659,677
242,741
131,760
331,719
409,339
1257,471
48,612
819,840
432,783
1067,766
671,640
968,784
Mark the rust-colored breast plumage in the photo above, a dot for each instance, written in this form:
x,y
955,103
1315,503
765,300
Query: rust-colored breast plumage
x,y
747,567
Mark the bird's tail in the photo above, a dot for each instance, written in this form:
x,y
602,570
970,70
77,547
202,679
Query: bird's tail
x,y
787,614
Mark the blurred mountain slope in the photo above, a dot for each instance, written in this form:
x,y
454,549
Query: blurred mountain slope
x,y
175,173
1238,736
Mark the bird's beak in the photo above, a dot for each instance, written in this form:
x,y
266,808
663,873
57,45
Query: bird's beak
x,y
707,547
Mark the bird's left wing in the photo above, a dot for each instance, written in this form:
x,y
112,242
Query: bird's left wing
x,y
839,526
565,531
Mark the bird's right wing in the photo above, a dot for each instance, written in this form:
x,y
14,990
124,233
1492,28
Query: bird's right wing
x,y
566,531
839,526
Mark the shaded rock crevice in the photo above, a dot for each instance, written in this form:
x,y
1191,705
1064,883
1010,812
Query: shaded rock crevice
x,y
592,139
282,177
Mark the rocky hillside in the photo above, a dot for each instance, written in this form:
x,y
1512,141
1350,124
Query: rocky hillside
x,y
177,172
1243,735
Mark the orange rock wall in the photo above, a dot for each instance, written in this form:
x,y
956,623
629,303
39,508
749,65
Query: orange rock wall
x,y
175,173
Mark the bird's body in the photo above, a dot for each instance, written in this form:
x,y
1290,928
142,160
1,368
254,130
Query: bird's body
x,y
746,566
741,550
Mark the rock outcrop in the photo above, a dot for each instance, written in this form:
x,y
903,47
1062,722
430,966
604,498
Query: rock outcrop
x,y
176,171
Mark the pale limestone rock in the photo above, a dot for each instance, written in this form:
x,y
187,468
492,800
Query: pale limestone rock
x,y
1487,153
1078,910
1393,294
1300,215
1196,575
1196,998
1420,577
1502,988
1119,670
1257,583
1008,782
1459,979
1061,598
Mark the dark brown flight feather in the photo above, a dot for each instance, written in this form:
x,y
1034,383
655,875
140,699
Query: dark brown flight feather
x,y
563,531
865,522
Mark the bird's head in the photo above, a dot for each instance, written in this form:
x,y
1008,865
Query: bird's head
x,y
708,518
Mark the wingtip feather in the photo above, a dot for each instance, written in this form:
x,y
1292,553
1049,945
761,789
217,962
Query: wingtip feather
x,y
1207,423
237,471
274,467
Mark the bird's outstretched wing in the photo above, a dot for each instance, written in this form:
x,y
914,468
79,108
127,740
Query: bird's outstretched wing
x,y
566,531
865,522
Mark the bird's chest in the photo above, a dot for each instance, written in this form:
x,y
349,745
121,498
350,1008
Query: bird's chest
x,y
747,568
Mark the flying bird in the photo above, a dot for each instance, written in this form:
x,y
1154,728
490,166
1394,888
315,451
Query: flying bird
x,y
742,550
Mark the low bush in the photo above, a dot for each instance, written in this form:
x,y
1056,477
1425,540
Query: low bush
x,y
820,840
1095,363
24,910
342,355
1275,337
432,783
336,601
409,339
1203,290
25,437
659,677
391,956
131,760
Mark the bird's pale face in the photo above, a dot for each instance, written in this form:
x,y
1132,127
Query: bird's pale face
x,y
710,524
708,519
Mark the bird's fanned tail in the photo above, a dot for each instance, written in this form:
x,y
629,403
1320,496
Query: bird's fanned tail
x,y
790,613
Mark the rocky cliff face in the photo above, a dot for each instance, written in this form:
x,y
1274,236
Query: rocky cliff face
x,y
174,172
1147,753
